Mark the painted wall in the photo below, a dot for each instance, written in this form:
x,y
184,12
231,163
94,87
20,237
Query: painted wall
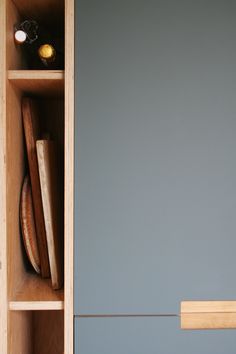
x,y
155,159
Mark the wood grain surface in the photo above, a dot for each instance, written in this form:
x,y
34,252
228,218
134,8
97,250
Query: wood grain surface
x,y
48,83
31,128
208,314
3,231
36,290
28,225
52,197
48,329
69,174
20,338
208,306
212,320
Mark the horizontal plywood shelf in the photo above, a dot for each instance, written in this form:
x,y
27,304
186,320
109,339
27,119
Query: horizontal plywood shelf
x,y
43,82
35,293
35,305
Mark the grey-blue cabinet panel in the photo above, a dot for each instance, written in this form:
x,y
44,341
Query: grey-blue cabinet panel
x,y
155,154
149,336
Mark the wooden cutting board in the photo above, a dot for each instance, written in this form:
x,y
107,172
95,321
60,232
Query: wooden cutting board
x,y
52,197
31,128
28,225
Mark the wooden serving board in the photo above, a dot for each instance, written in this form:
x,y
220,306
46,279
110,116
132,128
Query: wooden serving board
x,y
52,197
31,128
28,225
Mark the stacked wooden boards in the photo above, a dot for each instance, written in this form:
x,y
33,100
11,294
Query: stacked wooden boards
x,y
44,175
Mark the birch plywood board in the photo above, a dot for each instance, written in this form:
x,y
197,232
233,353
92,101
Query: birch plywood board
x,y
208,314
52,206
31,127
69,174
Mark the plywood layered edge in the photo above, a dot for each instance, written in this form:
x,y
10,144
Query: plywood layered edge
x,y
3,241
35,305
208,306
208,314
69,175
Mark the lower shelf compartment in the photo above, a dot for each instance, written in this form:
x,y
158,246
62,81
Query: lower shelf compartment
x,y
36,332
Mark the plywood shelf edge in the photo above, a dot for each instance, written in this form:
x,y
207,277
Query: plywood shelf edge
x,y
36,75
35,305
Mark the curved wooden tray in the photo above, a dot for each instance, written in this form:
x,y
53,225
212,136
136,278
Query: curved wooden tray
x,y
28,225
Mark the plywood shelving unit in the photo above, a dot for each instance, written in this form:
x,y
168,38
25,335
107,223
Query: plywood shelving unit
x,y
34,318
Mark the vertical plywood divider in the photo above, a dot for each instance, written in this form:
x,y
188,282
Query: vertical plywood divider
x,y
69,176
15,161
3,241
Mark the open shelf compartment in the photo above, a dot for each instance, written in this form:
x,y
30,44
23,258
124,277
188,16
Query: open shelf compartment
x,y
36,332
49,14
51,115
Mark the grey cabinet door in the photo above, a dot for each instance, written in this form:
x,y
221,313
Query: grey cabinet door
x,y
155,154
151,336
